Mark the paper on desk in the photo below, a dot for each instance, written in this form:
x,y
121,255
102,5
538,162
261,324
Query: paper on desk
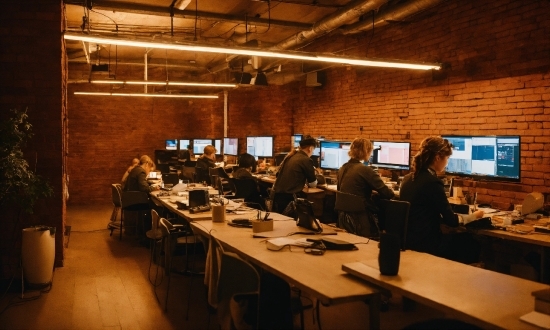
x,y
538,319
487,209
276,244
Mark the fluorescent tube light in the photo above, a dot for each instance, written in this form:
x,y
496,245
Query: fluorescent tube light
x,y
149,95
162,83
253,52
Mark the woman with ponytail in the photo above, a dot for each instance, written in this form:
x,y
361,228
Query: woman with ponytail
x,y
430,207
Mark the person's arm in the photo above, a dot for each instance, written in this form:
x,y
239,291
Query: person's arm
x,y
377,184
310,173
142,181
448,217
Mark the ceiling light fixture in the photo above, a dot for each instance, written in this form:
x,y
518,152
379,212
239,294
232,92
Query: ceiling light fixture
x,y
149,95
161,83
253,52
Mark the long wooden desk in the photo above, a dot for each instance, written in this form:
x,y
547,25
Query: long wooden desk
x,y
319,276
474,295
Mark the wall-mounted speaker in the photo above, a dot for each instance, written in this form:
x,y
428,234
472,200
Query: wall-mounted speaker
x,y
314,79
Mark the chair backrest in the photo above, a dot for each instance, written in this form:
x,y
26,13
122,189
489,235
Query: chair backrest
x,y
130,198
393,218
245,188
170,178
155,218
349,202
116,189
188,173
202,174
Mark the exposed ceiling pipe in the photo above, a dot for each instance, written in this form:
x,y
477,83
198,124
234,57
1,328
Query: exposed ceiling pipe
x,y
333,21
397,13
85,48
189,14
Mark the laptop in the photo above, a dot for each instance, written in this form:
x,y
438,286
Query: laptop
x,y
153,175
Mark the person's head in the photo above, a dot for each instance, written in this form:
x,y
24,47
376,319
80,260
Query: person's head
x,y
210,152
147,164
434,153
247,161
308,144
135,162
360,149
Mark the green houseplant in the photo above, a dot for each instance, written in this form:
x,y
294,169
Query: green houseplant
x,y
20,186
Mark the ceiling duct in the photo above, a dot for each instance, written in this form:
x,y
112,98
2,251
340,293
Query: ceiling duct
x,y
331,22
397,13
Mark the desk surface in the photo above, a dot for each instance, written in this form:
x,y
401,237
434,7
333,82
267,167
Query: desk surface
x,y
475,295
320,276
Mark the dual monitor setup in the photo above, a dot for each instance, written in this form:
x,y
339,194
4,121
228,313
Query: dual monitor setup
x,y
480,157
257,146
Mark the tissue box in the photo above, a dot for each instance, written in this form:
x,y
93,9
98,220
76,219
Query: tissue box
x,y
261,226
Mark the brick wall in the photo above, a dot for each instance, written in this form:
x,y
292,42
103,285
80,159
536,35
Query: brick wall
x,y
33,75
498,83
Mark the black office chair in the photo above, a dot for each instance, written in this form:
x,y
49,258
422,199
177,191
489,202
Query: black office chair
x,y
163,168
353,215
138,202
170,178
202,174
116,189
248,190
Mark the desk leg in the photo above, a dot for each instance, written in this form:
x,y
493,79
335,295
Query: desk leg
x,y
545,265
374,311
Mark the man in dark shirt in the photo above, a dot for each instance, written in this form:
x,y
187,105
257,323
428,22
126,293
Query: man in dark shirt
x,y
206,161
296,171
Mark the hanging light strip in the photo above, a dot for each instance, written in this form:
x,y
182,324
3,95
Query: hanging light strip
x,y
191,96
161,83
254,52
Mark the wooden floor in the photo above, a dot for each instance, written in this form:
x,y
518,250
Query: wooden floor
x,y
104,285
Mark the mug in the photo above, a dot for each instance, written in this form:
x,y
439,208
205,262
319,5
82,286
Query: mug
x,y
218,213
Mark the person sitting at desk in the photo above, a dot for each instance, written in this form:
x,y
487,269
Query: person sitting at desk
x,y
246,166
135,162
204,162
360,180
137,179
296,170
430,207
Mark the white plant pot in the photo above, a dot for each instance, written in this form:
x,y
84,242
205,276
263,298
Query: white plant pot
x,y
38,254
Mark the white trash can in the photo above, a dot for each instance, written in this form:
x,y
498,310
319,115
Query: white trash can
x,y
38,254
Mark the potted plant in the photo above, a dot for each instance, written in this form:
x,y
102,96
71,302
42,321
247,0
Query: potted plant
x,y
20,186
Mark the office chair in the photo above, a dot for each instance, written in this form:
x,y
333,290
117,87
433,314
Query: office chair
x,y
353,215
175,236
116,188
248,190
163,168
133,201
238,281
155,236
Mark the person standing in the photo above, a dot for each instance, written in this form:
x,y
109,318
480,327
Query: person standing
x,y
295,172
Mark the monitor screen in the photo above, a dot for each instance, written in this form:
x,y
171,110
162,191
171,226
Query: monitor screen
x,y
296,138
485,157
218,145
185,144
334,154
172,144
391,155
260,146
199,144
231,146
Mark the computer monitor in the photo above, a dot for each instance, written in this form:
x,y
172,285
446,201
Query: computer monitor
x,y
317,150
199,144
260,146
231,146
184,144
391,155
172,144
334,154
296,138
485,157
218,145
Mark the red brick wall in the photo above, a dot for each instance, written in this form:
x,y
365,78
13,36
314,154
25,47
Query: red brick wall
x,y
33,75
498,83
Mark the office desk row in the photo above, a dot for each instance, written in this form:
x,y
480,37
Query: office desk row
x,y
478,296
